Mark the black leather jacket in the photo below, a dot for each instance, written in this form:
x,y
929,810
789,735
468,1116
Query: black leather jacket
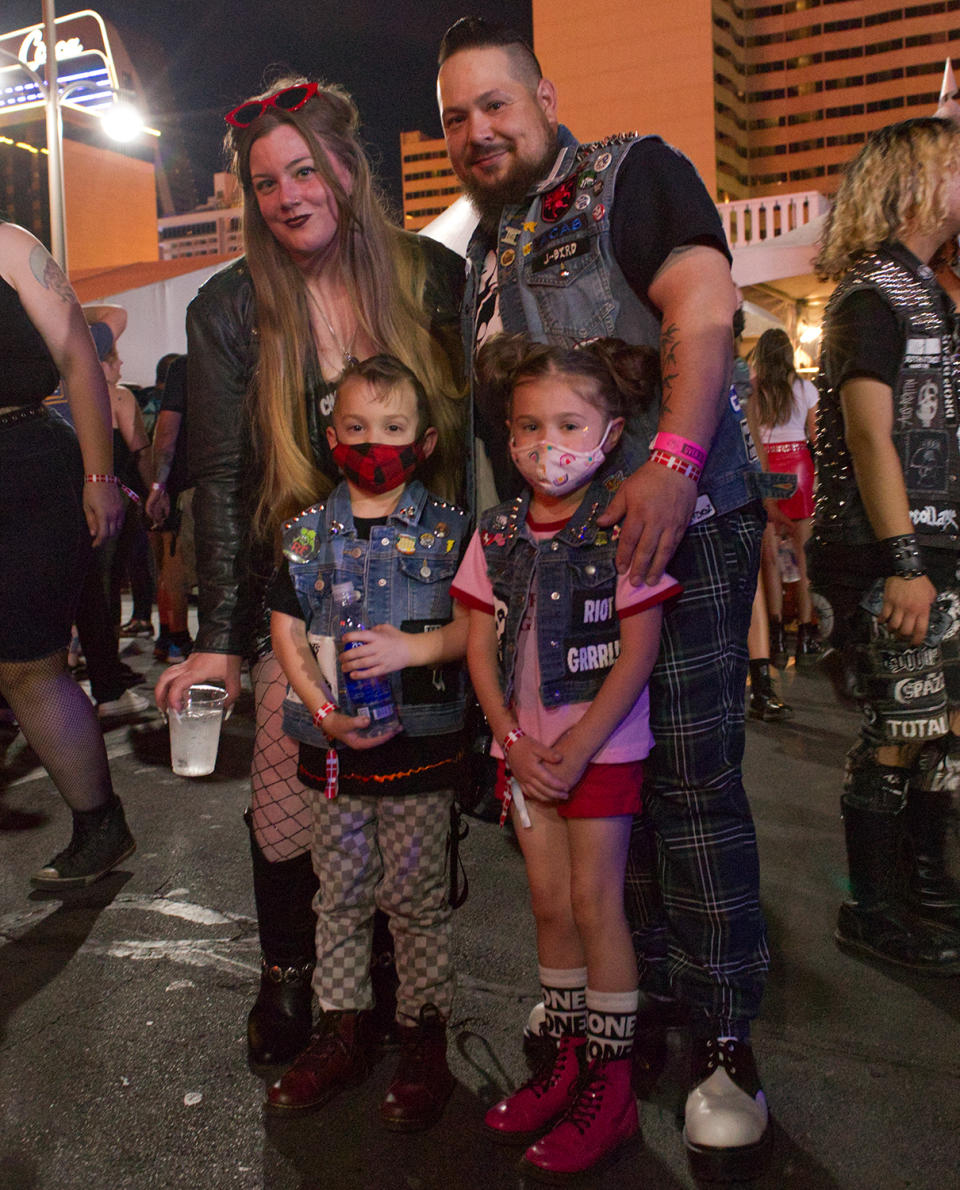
x,y
222,349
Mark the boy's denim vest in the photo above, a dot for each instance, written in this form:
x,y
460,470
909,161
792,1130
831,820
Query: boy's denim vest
x,y
578,633
560,282
404,572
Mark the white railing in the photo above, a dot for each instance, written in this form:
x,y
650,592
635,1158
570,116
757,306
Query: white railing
x,y
753,220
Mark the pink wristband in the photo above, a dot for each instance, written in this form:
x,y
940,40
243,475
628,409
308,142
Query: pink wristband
x,y
681,447
685,467
322,711
511,738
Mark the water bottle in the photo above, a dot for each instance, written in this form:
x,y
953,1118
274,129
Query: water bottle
x,y
373,695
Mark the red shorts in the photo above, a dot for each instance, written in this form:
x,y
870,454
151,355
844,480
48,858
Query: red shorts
x,y
794,458
604,791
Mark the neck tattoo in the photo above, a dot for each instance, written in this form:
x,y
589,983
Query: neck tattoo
x,y
349,359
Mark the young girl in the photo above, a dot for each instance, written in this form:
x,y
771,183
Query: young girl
x,y
560,649
785,408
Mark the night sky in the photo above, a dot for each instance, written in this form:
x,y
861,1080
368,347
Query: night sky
x,y
217,53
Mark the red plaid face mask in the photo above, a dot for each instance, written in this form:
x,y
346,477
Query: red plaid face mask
x,y
378,466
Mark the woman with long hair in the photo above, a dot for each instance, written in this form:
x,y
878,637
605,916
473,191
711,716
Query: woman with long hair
x,y
784,408
886,538
326,279
58,496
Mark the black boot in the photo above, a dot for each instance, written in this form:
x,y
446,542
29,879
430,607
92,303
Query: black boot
x,y
281,1019
809,647
778,643
930,893
101,840
764,703
873,923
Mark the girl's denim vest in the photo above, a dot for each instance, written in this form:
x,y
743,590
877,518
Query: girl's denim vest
x,y
578,633
404,571
561,283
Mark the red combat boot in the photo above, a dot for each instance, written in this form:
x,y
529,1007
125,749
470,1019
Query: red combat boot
x,y
602,1118
542,1099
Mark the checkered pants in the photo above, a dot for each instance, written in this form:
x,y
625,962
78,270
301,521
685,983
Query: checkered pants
x,y
692,890
386,853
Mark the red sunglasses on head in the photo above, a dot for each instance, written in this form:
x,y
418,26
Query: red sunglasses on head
x,y
290,99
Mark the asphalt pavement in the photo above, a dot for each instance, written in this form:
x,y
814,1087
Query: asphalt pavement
x,y
122,1007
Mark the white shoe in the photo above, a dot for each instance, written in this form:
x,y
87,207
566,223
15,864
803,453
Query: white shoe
x,y
129,703
725,1117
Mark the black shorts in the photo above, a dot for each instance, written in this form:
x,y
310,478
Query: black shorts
x,y
44,539
906,691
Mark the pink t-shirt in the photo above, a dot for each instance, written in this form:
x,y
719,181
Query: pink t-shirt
x,y
632,739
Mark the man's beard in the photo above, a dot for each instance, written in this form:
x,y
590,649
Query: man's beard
x,y
489,201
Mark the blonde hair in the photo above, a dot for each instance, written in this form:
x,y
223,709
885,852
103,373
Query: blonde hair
x,y
385,278
898,184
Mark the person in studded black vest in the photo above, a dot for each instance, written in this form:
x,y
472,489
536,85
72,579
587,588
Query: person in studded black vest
x,y
886,540
620,238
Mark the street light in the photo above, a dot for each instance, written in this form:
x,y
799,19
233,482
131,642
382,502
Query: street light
x,y
121,122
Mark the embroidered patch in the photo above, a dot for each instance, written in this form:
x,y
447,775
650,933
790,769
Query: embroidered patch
x,y
556,202
555,233
560,252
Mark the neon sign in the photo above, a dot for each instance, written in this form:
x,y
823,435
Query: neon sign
x,y
89,74
33,44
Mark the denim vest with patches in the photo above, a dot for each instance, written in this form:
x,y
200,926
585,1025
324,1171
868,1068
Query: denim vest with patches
x,y
573,580
404,572
926,407
560,282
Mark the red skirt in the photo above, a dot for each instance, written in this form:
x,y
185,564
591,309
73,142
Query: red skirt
x,y
604,791
794,458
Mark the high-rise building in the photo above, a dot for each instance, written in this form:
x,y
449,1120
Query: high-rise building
x,y
427,177
764,98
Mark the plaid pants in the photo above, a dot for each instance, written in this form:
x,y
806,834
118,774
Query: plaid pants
x,y
386,853
692,885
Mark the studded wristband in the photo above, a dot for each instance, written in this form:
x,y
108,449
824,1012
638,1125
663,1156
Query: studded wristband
x,y
902,556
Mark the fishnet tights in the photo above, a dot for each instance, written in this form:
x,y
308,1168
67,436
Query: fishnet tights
x,y
280,804
61,726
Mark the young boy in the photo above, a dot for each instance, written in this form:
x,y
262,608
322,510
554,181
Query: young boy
x,y
380,831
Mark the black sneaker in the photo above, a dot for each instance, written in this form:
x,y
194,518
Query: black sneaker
x,y
101,840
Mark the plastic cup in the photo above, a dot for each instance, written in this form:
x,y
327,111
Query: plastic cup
x,y
195,731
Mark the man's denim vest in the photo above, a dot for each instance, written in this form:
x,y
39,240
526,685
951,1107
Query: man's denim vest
x,y
559,282
404,572
578,633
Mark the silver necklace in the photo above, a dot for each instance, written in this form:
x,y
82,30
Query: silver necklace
x,y
349,359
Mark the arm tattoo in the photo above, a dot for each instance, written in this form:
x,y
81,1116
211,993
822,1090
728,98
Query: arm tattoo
x,y
49,273
669,367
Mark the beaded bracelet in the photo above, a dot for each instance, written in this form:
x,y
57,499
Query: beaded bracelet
x,y
685,467
322,711
511,738
902,556
104,478
681,447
